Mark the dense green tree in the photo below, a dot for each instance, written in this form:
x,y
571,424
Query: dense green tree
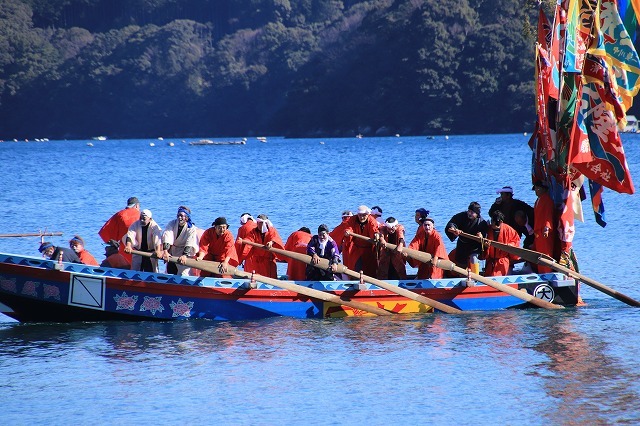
x,y
77,68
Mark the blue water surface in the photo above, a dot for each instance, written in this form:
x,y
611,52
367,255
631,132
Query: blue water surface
x,y
578,366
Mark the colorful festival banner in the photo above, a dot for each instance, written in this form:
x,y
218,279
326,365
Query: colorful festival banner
x,y
593,70
620,53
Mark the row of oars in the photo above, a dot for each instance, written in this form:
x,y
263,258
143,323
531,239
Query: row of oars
x,y
528,255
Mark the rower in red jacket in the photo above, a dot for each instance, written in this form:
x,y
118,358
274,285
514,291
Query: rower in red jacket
x,y
77,244
343,241
544,234
297,242
428,241
362,256
117,226
264,262
217,244
247,224
498,262
391,263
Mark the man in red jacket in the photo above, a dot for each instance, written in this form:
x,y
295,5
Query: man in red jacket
x,y
264,261
297,242
428,241
543,220
217,244
391,263
362,256
247,224
343,241
498,262
118,224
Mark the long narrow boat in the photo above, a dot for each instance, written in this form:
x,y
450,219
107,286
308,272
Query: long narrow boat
x,y
35,290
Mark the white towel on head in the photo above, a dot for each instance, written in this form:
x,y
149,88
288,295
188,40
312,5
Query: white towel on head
x,y
245,218
266,224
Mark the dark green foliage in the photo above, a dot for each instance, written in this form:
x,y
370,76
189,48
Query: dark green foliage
x,y
77,68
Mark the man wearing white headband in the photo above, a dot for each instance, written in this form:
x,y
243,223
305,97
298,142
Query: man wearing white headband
x,y
430,241
247,224
362,254
144,235
376,212
391,263
264,262
180,239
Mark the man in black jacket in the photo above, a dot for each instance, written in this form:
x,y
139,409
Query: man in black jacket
x,y
471,222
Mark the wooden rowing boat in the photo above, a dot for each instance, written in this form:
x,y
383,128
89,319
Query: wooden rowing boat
x,y
35,290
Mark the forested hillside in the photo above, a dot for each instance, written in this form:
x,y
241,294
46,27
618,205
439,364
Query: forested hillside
x,y
145,68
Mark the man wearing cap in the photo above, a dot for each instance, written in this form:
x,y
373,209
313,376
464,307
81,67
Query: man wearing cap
x,y
117,226
144,235
344,241
297,242
391,263
217,244
498,262
61,254
466,253
77,245
179,239
322,246
544,233
362,254
247,224
428,241
510,207
263,261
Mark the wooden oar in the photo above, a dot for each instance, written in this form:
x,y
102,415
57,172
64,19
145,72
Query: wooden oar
x,y
339,268
451,266
543,259
214,267
32,234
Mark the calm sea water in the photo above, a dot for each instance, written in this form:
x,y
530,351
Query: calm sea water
x,y
578,366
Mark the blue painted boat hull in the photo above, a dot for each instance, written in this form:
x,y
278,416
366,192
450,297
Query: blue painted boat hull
x,y
36,290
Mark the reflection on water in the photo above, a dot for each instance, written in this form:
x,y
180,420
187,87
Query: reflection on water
x,y
590,386
541,362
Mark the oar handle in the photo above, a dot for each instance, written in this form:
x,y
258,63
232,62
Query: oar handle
x,y
214,267
32,234
591,282
525,254
414,254
340,268
543,259
522,295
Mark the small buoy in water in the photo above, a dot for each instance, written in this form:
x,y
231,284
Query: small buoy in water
x,y
321,143
446,136
397,135
170,143
89,144
161,138
152,144
525,133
